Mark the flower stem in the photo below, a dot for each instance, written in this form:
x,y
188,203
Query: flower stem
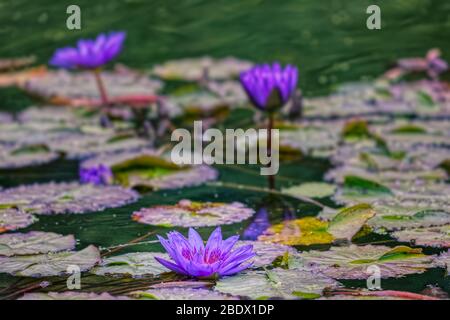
x,y
271,178
105,121
101,87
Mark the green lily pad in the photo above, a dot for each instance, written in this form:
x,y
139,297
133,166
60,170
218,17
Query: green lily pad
x,y
266,252
398,218
347,222
13,219
180,294
308,231
305,231
354,262
58,198
443,260
132,264
311,189
194,214
76,85
148,169
34,242
23,156
432,236
193,69
50,264
279,283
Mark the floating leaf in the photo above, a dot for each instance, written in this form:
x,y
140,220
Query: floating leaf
x,y
354,262
305,231
57,198
194,214
356,129
81,146
266,252
194,69
34,242
443,260
133,264
311,189
147,169
71,295
433,236
358,185
65,86
18,157
311,139
346,294
180,294
50,264
397,218
59,117
280,283
349,221
12,219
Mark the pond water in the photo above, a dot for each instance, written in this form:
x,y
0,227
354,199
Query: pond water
x,y
326,39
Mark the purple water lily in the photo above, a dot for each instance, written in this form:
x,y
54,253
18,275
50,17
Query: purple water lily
x,y
270,86
90,53
98,175
193,258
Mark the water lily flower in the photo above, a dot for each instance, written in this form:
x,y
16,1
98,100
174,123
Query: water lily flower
x,y
193,258
90,53
270,86
97,175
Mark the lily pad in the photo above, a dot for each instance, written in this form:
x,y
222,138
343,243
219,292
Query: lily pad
x,y
50,264
193,69
63,85
305,231
443,260
311,189
147,169
71,295
81,146
132,264
58,198
358,185
194,214
349,221
180,294
23,156
398,218
266,252
354,262
279,283
13,219
433,236
310,139
34,242
59,117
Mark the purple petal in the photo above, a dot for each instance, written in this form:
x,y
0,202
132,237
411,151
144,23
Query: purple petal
x,y
171,266
196,241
